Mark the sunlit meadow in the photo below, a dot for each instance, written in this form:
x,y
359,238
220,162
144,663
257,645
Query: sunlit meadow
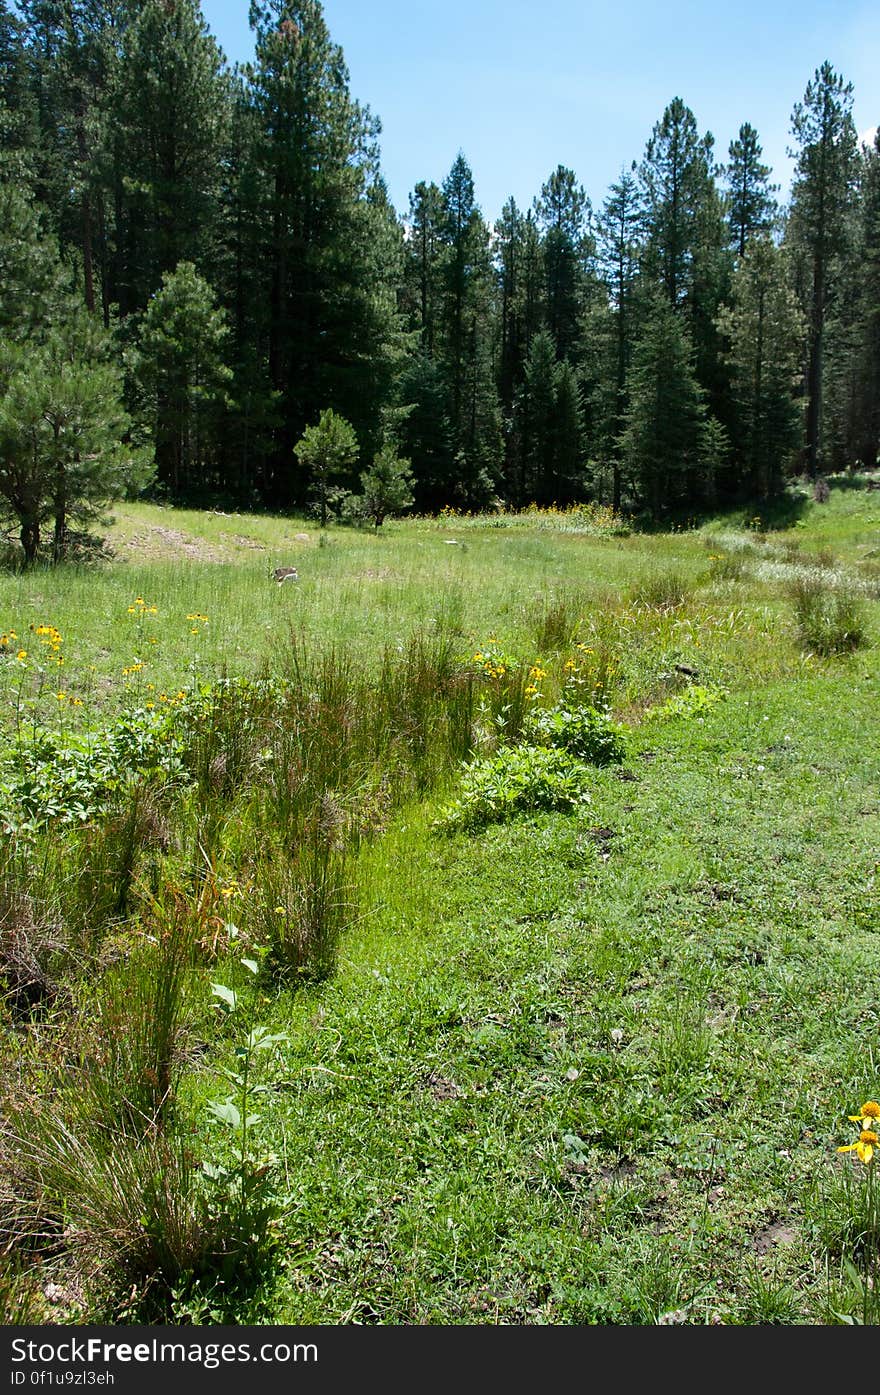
x,y
480,928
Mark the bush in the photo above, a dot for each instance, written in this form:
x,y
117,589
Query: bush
x,y
585,732
695,701
830,619
517,779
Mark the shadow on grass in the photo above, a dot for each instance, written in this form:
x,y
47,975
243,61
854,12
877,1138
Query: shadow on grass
x,y
766,515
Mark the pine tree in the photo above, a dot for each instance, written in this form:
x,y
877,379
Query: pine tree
x,y
327,450
751,205
819,223
675,177
663,441
567,435
473,410
171,111
425,254
330,249
867,432
426,434
387,485
763,331
563,212
620,229
182,380
63,434
537,407
520,293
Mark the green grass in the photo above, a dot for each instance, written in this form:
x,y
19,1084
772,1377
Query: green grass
x,y
571,1068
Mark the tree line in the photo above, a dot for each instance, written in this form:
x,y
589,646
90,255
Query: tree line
x,y
197,262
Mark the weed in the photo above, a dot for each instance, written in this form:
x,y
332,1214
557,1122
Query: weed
x,y
515,780
587,733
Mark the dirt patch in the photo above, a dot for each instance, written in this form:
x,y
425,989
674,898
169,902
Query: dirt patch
x,y
772,1235
158,541
442,1088
239,540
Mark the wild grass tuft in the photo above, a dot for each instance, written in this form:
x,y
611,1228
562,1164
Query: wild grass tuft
x,y
830,619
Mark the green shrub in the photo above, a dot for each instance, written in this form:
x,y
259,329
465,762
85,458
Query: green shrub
x,y
585,732
516,779
695,701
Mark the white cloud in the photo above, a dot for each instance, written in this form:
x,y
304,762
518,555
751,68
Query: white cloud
x,y
868,137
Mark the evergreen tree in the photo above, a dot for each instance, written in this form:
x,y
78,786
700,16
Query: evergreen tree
x,y
763,331
563,212
387,486
536,413
19,128
426,434
675,176
473,410
867,424
182,381
63,431
751,205
819,222
567,435
520,296
663,442
331,250
550,423
171,111
327,450
425,255
620,229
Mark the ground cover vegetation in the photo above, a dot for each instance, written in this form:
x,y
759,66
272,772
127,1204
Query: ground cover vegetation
x,y
465,918
482,929
206,291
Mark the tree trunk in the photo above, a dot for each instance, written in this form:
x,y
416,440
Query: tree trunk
x,y
30,540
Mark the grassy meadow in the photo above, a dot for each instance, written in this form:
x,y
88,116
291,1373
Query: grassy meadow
x,y
482,928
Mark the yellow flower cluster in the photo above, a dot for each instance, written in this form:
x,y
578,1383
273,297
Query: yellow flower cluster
x,y
140,608
132,668
491,664
868,1119
199,620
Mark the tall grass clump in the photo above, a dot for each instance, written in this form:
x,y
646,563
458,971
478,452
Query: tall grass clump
x,y
554,622
661,591
305,897
424,709
94,1165
830,619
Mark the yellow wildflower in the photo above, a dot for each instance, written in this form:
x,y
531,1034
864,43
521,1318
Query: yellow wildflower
x,y
864,1146
867,1116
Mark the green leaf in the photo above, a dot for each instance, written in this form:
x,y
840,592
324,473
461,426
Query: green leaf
x,y
225,995
225,1112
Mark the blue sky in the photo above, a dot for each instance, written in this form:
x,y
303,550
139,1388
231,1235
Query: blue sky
x,y
521,87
